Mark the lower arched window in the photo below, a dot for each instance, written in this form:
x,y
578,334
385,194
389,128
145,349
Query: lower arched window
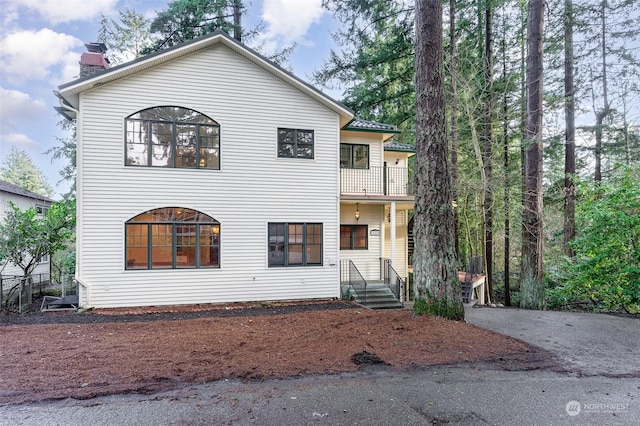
x,y
172,238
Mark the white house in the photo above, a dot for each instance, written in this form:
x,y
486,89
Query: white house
x,y
208,174
23,199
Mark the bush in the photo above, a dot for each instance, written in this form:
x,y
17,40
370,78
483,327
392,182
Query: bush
x,y
606,269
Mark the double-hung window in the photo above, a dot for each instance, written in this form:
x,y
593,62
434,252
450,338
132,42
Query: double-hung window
x,y
354,156
353,237
295,244
172,238
295,143
171,136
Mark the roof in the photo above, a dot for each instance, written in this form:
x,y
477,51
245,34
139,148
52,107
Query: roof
x,y
15,189
359,124
399,147
69,93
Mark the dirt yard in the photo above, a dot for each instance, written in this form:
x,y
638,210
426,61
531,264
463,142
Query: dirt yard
x,y
60,355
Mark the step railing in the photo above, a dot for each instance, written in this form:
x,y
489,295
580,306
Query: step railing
x,y
357,282
391,278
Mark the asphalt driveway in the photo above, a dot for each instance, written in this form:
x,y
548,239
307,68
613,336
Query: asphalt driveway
x,y
584,343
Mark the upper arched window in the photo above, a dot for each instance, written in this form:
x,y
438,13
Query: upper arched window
x,y
170,238
172,136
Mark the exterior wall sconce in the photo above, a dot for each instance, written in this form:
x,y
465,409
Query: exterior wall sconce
x,y
357,212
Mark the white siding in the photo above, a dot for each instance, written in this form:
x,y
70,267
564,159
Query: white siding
x,y
253,187
401,261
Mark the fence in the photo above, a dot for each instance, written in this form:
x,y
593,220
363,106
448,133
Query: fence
x,y
17,292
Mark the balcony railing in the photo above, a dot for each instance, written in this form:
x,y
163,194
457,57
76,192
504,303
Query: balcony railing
x,y
376,180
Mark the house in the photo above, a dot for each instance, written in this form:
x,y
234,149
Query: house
x,y
23,199
208,174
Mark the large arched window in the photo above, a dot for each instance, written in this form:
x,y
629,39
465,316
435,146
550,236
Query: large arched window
x,y
172,136
172,238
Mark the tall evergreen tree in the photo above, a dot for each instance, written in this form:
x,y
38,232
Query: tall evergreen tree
x,y
19,169
437,287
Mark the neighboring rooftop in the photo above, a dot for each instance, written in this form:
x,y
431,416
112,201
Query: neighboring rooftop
x,y
359,124
399,147
15,189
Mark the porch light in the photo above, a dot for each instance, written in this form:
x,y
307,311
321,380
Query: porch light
x,y
357,212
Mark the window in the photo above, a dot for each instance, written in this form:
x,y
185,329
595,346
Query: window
x,y
42,210
172,238
354,156
295,244
295,143
44,258
172,136
354,237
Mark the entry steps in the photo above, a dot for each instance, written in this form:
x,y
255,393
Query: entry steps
x,y
378,296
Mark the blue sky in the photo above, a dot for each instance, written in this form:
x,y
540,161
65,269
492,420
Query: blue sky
x,y
41,42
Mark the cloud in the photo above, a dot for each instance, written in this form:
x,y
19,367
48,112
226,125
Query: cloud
x,y
30,55
17,139
18,106
289,20
57,11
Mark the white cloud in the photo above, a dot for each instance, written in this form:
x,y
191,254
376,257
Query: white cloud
x,y
26,55
57,11
17,139
16,105
289,20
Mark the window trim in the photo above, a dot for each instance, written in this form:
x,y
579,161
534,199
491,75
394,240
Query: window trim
x,y
174,145
305,243
174,241
295,143
352,236
352,159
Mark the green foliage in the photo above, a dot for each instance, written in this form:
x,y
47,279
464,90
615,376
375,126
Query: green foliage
x,y
18,169
606,270
67,150
427,304
26,236
184,20
127,37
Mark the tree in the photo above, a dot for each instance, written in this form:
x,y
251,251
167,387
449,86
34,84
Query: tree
x,y
532,285
67,150
26,236
127,37
437,287
570,132
19,169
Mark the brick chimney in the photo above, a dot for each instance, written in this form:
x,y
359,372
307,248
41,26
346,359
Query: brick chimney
x,y
94,60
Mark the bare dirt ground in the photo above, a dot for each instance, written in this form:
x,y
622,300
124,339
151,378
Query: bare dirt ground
x,y
61,355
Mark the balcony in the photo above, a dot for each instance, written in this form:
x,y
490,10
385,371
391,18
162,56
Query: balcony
x,y
377,181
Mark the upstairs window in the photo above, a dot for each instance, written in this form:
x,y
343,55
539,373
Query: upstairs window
x,y
354,156
171,136
295,143
172,238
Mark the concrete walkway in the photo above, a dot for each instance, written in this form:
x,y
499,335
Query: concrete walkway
x,y
605,347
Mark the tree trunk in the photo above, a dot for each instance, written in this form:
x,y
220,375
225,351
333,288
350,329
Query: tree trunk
x,y
604,112
437,287
505,152
487,205
532,286
570,133
454,123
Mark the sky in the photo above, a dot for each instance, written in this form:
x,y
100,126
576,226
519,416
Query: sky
x,y
41,42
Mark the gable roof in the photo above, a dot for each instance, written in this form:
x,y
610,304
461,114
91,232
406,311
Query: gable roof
x,y
360,125
15,189
69,92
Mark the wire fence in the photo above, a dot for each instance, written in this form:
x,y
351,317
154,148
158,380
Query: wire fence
x,y
18,292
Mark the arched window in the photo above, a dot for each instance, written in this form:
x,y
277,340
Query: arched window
x,y
172,136
172,238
